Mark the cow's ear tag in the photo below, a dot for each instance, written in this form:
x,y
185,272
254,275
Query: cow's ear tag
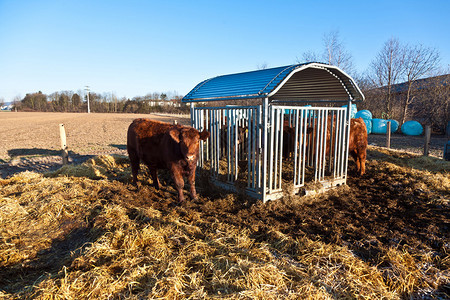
x,y
175,134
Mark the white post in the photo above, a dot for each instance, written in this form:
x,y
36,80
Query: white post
x,y
192,113
349,120
264,140
87,91
65,153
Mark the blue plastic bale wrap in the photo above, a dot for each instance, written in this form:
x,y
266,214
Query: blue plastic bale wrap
x,y
307,111
394,125
368,125
365,114
290,111
412,128
379,126
353,111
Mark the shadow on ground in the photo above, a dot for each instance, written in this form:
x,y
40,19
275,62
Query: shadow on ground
x,y
120,147
36,160
33,152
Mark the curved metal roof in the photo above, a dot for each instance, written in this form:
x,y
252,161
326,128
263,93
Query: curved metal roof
x,y
309,81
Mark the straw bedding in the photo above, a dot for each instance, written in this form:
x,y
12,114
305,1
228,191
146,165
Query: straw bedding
x,y
85,232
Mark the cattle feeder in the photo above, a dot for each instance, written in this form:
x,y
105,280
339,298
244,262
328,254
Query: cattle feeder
x,y
275,130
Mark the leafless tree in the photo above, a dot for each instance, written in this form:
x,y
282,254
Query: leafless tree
x,y
386,70
419,61
262,66
309,56
334,53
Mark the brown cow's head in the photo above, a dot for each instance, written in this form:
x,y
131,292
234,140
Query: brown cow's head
x,y
188,138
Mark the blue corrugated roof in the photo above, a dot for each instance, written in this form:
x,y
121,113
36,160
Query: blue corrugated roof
x,y
253,84
261,83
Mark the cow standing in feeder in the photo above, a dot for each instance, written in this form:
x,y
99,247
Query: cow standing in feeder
x,y
165,146
357,142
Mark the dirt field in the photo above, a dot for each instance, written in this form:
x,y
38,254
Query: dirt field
x,y
384,235
33,133
31,141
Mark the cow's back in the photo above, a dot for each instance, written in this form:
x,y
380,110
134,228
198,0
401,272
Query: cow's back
x,y
146,138
358,144
358,135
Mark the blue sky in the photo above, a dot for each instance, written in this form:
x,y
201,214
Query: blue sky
x,y
132,48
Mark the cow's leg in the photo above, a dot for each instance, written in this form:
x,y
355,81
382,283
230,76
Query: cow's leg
x,y
179,182
135,165
357,161
154,174
362,163
191,181
360,160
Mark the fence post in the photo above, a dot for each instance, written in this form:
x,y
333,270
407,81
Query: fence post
x,y
65,153
265,140
426,148
388,134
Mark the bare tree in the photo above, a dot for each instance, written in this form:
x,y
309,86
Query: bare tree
x,y
387,69
419,61
309,56
262,66
334,53
2,101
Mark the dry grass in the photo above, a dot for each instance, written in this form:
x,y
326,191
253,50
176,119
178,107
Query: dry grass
x,y
84,233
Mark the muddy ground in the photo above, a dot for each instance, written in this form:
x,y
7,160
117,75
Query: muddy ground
x,y
387,208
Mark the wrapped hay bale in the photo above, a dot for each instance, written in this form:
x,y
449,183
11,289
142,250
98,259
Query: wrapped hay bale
x,y
412,128
353,110
368,123
379,126
364,114
394,125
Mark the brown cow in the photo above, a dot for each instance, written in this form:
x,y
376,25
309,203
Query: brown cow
x,y
358,144
165,146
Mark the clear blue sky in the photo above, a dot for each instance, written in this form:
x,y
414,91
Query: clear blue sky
x,y
132,48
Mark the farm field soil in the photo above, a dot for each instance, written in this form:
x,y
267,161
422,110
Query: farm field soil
x,y
37,133
31,140
385,235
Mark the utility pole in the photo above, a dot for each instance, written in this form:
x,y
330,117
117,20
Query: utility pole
x,y
87,91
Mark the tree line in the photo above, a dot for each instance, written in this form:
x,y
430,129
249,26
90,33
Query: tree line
x,y
69,101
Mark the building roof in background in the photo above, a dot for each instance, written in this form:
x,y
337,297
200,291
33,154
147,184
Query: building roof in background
x,y
423,83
